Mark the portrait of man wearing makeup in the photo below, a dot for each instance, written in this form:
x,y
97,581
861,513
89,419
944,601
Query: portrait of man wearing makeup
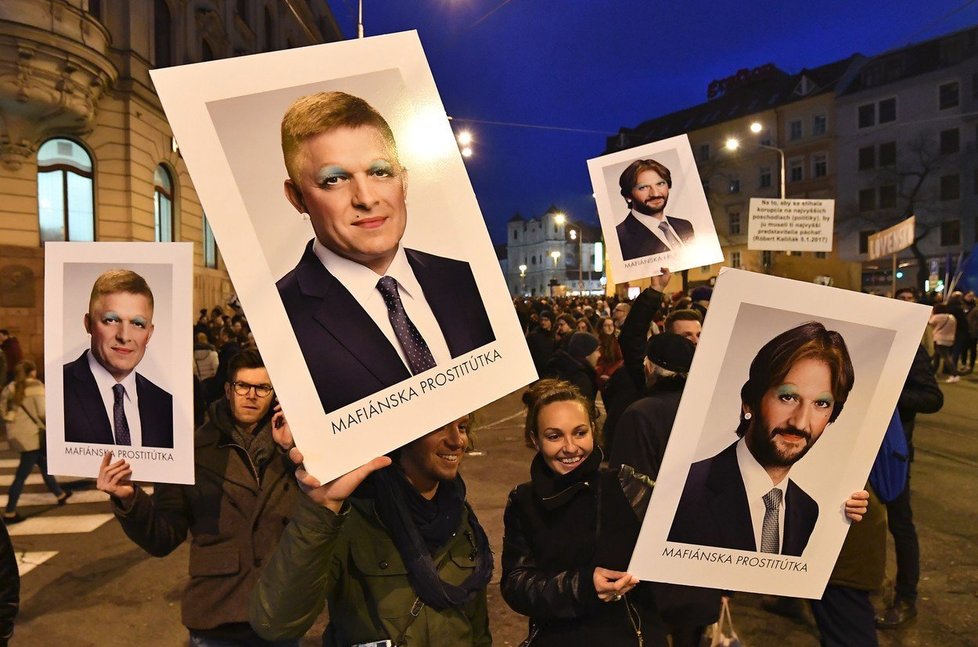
x,y
743,498
105,400
367,312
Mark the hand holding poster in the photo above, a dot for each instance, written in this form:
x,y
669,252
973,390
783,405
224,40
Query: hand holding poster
x,y
799,382
116,325
378,322
653,210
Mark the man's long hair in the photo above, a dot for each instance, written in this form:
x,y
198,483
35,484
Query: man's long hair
x,y
775,359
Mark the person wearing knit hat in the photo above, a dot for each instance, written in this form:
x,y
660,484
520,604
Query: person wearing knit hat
x,y
575,363
670,352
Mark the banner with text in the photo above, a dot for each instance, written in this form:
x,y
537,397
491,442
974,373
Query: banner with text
x,y
893,239
790,225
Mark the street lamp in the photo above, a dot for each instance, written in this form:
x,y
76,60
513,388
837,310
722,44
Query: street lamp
x,y
733,144
578,235
554,283
523,278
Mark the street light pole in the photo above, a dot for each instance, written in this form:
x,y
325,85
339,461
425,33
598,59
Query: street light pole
x,y
733,144
578,233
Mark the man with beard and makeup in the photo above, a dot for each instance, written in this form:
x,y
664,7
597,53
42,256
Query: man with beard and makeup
x,y
646,230
743,498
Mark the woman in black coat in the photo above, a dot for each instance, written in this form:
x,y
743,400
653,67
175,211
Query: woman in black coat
x,y
570,531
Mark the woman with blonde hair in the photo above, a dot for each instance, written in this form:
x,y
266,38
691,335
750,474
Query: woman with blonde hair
x,y
22,403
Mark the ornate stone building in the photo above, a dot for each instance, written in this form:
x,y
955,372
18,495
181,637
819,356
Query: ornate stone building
x,y
85,149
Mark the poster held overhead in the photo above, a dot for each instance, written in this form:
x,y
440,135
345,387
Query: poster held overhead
x,y
653,210
799,382
378,322
116,327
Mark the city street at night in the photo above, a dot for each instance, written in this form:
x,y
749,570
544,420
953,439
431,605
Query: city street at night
x,y
84,583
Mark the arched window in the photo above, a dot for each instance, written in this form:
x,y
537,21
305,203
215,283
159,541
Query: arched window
x,y
210,246
162,34
65,192
163,204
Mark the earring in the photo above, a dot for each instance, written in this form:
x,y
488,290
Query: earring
x,y
747,416
305,216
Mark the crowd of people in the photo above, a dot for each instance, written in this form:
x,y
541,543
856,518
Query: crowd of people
x,y
395,551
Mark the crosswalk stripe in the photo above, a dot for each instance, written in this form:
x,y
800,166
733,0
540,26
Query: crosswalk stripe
x,y
58,525
28,561
46,498
34,478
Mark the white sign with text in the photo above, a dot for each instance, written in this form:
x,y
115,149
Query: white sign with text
x,y
790,225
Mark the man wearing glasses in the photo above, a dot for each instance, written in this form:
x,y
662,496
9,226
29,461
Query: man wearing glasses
x,y
240,503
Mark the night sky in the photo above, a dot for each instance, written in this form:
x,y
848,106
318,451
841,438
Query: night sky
x,y
582,69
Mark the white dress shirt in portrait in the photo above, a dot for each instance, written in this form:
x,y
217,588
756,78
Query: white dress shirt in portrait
x,y
130,403
361,282
757,482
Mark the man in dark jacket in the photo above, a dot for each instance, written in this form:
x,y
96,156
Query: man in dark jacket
x,y
236,510
920,394
576,364
541,341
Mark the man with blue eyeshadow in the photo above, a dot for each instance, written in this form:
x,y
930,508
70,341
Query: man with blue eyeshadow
x,y
105,400
367,312
743,498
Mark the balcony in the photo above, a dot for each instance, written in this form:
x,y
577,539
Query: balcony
x,y
54,68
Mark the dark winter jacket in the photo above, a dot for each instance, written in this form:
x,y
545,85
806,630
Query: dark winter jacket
x,y
558,529
234,517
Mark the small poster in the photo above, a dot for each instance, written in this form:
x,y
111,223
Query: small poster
x,y
118,358
790,225
788,397
337,194
653,210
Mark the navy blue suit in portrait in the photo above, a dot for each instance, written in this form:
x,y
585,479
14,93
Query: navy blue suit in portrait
x,y
86,420
347,354
637,241
713,510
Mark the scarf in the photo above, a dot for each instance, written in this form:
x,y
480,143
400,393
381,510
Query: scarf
x,y
554,490
419,527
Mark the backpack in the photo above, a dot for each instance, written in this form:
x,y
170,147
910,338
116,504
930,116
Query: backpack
x,y
892,466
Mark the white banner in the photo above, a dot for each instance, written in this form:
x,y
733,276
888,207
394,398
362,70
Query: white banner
x,y
790,225
892,240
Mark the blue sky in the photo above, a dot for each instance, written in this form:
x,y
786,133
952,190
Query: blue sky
x,y
582,69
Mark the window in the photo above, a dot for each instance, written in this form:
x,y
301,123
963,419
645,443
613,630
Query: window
x,y
65,192
950,141
735,260
516,235
864,240
533,260
887,110
821,255
888,196
794,129
734,219
867,115
162,34
734,185
820,165
887,156
819,125
793,253
867,199
947,95
950,187
703,153
210,246
764,177
163,204
796,170
950,233
767,258
867,158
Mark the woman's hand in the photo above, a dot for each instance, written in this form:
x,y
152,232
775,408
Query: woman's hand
x,y
115,479
857,505
612,585
333,494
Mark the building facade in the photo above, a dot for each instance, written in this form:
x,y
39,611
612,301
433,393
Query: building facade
x,y
86,151
908,128
552,256
796,114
